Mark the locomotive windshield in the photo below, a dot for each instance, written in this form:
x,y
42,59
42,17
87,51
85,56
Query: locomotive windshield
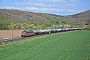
x,y
23,32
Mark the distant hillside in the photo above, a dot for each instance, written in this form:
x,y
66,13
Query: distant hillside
x,y
80,17
21,16
24,16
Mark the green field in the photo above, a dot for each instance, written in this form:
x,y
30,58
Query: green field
x,y
64,46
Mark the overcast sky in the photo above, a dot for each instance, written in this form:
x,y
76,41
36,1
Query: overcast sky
x,y
59,7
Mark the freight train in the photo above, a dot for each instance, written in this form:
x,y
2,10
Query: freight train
x,y
27,33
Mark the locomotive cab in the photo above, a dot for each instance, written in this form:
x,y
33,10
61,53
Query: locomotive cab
x,y
23,34
27,33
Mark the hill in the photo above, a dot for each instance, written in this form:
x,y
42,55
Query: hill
x,y
32,20
20,16
79,17
83,16
24,16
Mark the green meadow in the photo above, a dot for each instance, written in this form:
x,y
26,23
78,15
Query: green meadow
x,y
64,46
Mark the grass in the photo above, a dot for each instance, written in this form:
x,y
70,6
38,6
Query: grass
x,y
65,46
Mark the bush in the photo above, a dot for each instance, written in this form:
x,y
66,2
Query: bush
x,y
87,27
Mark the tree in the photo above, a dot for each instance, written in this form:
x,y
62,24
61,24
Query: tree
x,y
31,26
11,26
26,26
4,24
82,24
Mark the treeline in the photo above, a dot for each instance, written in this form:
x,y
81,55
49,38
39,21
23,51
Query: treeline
x,y
8,25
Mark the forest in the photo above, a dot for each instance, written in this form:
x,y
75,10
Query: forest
x,y
8,25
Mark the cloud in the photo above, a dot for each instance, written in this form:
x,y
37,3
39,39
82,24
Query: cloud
x,y
73,0
20,8
51,9
28,4
70,10
52,1
58,11
70,5
23,3
56,0
10,7
39,4
30,8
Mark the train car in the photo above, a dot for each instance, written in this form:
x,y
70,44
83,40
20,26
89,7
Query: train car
x,y
36,32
